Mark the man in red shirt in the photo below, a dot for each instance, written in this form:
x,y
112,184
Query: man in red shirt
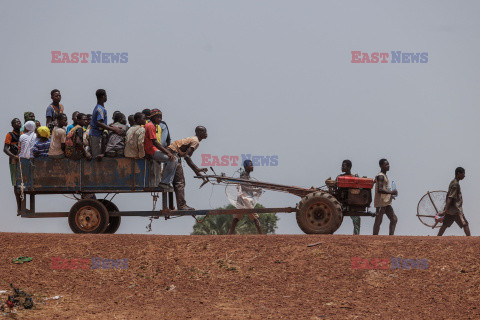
x,y
157,152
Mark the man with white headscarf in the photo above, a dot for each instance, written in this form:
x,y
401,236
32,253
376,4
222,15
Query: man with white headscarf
x,y
27,140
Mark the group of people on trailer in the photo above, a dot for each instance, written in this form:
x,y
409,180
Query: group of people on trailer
x,y
147,136
91,137
452,212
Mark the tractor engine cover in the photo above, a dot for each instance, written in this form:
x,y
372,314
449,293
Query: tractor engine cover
x,y
354,182
359,197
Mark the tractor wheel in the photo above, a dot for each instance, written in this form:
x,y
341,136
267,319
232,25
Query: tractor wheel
x,y
319,213
113,221
88,216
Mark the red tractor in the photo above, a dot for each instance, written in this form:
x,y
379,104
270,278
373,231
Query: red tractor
x,y
320,210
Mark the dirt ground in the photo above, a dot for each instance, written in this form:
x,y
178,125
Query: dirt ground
x,y
242,277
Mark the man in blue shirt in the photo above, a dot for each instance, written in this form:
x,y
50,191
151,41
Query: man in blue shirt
x,y
98,125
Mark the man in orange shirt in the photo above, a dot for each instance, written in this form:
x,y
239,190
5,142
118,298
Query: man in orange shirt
x,y
157,152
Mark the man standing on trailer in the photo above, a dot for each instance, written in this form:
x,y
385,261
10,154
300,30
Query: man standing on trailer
x,y
98,124
383,199
245,198
184,148
54,109
453,210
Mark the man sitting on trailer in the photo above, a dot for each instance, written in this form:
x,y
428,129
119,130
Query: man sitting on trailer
x,y
74,147
154,150
115,146
184,148
244,200
347,171
59,136
41,147
135,145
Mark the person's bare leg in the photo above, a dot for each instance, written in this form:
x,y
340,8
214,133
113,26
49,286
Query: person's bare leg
x,y
378,221
234,224
19,200
442,230
257,224
393,219
467,230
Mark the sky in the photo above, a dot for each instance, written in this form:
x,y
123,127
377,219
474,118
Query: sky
x,y
267,78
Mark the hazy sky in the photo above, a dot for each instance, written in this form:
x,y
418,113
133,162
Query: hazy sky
x,y
265,78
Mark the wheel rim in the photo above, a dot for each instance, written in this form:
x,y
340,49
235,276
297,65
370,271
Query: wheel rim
x,y
87,218
319,215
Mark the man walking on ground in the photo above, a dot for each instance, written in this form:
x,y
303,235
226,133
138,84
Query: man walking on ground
x,y
184,148
383,199
347,171
245,199
157,152
98,124
453,210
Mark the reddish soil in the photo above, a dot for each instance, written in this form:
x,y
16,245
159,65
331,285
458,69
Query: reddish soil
x,y
243,277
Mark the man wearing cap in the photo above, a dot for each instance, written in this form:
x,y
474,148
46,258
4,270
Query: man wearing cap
x,y
157,152
245,199
28,116
184,148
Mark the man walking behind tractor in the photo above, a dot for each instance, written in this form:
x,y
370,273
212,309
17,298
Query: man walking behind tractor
x,y
347,171
453,210
383,199
245,199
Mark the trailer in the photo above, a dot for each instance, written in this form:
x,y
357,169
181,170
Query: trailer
x,y
319,211
87,180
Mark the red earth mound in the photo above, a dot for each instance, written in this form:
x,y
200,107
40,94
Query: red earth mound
x,y
243,277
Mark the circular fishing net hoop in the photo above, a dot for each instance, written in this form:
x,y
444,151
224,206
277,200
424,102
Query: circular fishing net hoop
x,y
429,205
243,196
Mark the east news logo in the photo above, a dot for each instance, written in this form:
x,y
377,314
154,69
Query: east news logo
x,y
392,57
89,57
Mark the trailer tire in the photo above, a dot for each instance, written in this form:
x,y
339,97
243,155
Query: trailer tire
x,y
113,221
319,213
88,216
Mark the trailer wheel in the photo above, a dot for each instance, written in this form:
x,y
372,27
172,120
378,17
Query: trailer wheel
x,y
113,221
319,213
88,216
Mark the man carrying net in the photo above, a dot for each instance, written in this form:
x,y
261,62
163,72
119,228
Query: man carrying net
x,y
247,198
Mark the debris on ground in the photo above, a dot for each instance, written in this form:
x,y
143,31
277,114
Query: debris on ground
x,y
22,260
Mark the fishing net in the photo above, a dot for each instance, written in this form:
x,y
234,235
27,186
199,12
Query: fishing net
x,y
242,195
429,206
